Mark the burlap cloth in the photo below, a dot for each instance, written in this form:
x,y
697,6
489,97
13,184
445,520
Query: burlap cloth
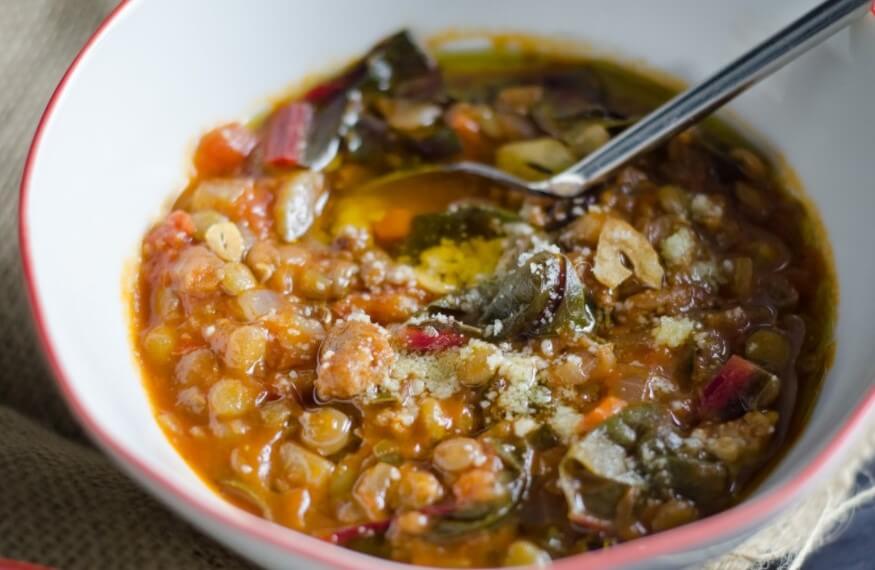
x,y
62,503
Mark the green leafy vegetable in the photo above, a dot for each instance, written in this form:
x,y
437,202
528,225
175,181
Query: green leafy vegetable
x,y
541,296
398,66
370,141
395,66
323,139
573,110
638,448
515,477
705,481
436,143
457,224
569,98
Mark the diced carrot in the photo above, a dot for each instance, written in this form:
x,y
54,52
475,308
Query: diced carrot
x,y
607,407
462,118
394,225
287,135
223,150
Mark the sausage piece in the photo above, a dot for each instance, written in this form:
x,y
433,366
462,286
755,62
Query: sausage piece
x,y
354,356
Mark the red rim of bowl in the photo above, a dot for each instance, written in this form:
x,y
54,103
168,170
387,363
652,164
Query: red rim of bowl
x,y
8,564
719,526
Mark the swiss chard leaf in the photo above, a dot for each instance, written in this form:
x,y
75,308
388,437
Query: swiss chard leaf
x,y
370,140
437,143
737,387
323,139
516,478
457,224
398,66
572,103
638,448
541,296
568,97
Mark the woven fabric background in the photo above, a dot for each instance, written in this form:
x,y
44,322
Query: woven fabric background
x,y
64,504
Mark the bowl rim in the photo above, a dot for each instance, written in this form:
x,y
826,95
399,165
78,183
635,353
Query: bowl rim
x,y
723,525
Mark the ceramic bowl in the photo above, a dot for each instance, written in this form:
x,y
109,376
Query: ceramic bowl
x,y
116,139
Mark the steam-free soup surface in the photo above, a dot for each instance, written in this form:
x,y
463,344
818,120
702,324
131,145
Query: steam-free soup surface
x,y
439,371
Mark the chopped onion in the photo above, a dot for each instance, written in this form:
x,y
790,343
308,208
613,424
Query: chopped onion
x,y
617,239
257,303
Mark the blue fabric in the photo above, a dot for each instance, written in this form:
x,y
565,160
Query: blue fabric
x,y
854,548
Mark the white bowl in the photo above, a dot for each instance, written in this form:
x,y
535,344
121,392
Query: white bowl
x,y
114,143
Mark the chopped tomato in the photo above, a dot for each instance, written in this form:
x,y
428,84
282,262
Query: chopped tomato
x,y
223,150
174,232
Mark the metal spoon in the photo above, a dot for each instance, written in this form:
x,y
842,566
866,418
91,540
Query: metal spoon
x,y
683,110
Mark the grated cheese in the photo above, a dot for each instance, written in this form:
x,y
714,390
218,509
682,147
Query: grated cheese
x,y
524,426
539,245
673,332
565,422
678,248
705,209
520,393
435,374
707,272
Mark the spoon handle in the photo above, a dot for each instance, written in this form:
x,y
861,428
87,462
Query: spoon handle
x,y
693,104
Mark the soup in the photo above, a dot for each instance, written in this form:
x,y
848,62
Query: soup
x,y
440,371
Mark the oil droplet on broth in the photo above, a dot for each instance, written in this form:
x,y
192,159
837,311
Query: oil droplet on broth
x,y
420,194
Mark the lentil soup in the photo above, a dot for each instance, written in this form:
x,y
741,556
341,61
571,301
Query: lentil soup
x,y
443,372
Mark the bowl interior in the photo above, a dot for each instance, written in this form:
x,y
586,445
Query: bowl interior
x,y
116,143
